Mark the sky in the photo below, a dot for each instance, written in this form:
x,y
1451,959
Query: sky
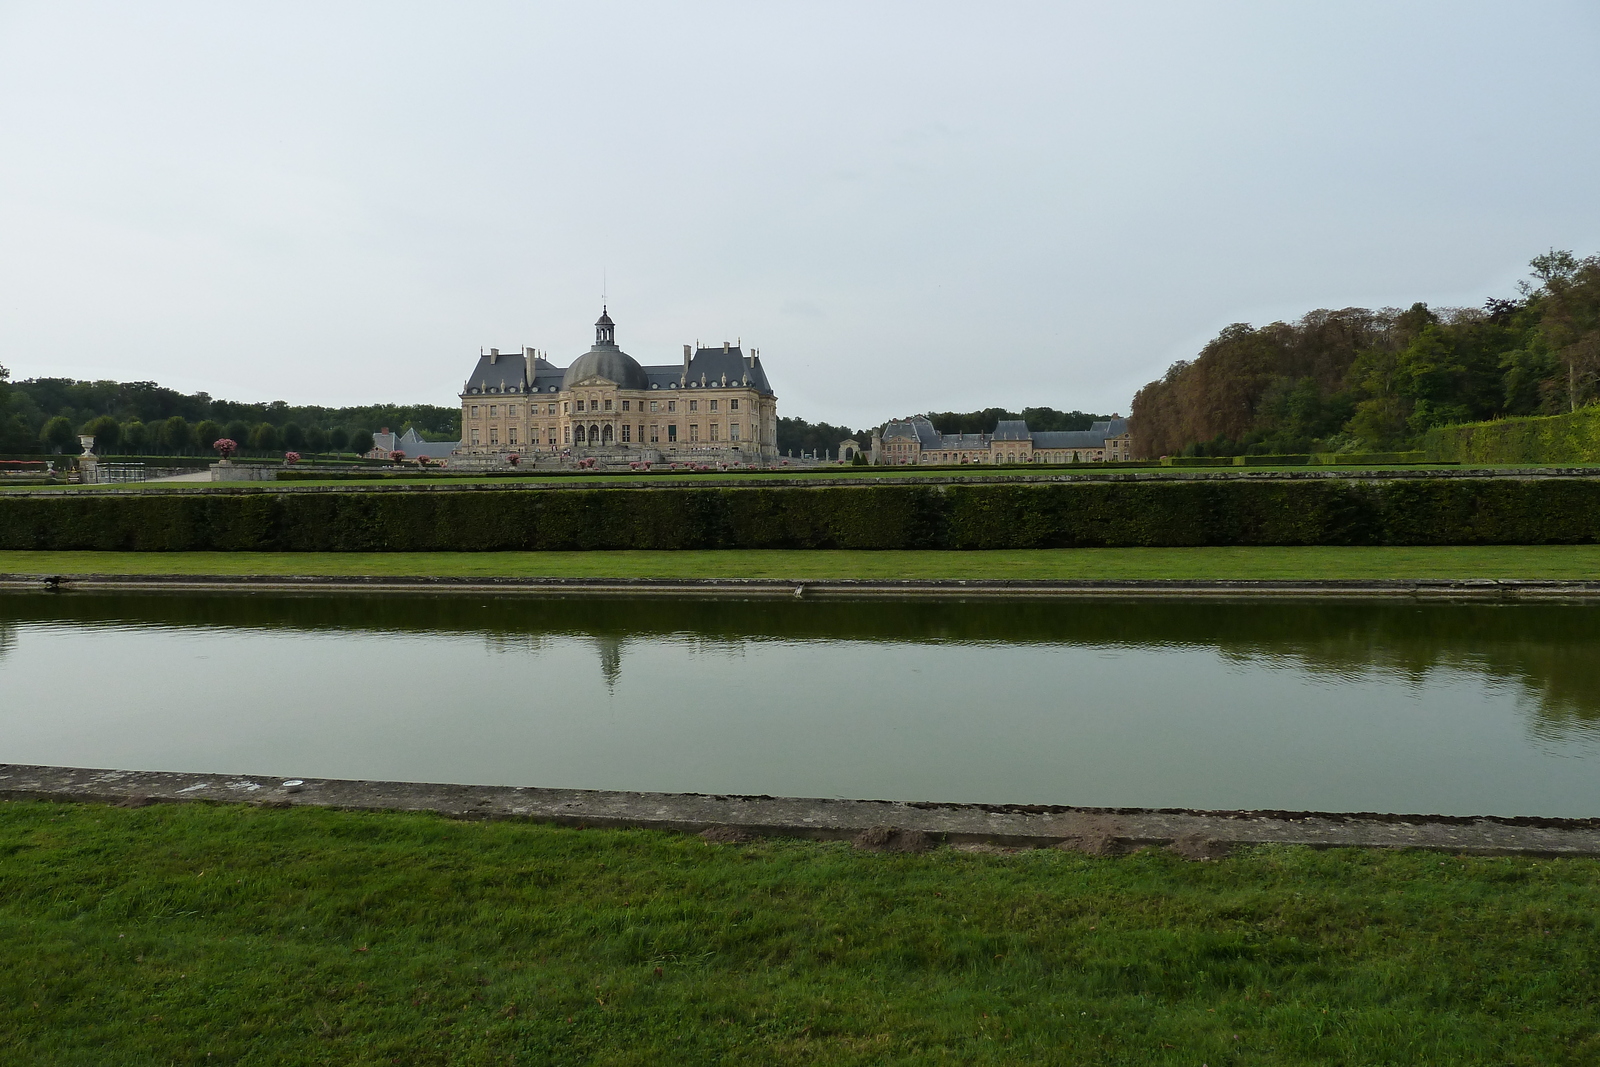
x,y
905,206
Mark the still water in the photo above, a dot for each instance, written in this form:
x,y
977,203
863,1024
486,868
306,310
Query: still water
x,y
1396,707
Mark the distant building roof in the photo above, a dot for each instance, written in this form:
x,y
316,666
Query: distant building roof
x,y
527,372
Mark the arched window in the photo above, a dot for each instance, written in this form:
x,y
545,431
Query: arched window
x,y
605,434
577,435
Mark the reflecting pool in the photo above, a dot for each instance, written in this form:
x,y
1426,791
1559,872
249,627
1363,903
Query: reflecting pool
x,y
1448,708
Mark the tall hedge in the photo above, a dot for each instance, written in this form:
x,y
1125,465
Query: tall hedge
x,y
1312,512
1570,438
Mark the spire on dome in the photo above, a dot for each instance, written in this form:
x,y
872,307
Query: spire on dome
x,y
605,331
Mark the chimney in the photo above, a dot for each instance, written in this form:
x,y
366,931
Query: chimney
x,y
685,364
724,346
494,357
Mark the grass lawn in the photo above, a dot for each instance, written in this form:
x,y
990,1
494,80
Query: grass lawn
x,y
1302,563
201,934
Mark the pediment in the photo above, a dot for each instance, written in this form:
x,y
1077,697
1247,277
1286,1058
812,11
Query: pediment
x,y
594,379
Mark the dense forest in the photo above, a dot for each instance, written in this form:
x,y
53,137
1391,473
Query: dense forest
x,y
1363,380
143,418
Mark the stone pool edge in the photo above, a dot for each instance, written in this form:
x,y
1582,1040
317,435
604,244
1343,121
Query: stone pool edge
x,y
823,819
1425,588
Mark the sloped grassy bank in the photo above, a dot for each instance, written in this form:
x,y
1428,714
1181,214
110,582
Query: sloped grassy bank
x,y
1442,511
203,934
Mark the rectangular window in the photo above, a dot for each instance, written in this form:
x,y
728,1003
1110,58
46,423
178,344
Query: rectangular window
x,y
672,405
566,434
580,405
492,408
608,403
551,432
511,435
672,433
694,405
655,433
713,405
733,405
552,410
641,433
626,406
474,411
733,431
627,434
511,411
475,435
566,407
494,435
694,430
714,428
655,405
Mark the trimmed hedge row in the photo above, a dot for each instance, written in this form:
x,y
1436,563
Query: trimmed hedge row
x,y
1570,438
1326,512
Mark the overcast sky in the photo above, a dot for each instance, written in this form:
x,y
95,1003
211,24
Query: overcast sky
x,y
904,206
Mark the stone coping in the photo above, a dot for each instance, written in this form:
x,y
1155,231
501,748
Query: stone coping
x,y
1110,829
842,588
625,480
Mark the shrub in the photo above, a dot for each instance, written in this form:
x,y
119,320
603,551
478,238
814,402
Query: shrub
x,y
1570,438
981,516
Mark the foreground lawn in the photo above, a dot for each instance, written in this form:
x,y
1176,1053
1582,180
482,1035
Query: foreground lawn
x,y
228,935
1501,561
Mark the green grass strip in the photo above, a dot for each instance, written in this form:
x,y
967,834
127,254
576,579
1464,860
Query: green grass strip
x,y
209,934
1568,562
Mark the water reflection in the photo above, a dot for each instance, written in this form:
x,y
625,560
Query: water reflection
x,y
1546,650
1405,707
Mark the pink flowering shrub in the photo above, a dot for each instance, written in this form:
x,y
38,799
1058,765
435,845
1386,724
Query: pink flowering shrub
x,y
291,458
226,447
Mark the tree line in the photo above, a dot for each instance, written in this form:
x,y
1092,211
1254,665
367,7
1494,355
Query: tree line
x,y
143,418
1358,380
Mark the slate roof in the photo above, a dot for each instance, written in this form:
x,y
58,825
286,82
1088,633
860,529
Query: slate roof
x,y
508,373
609,362
1011,430
917,427
413,446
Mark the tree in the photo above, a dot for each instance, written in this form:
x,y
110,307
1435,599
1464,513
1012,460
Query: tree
x,y
57,435
106,431
338,438
206,434
135,437
1569,326
360,442
237,431
264,438
293,436
316,439
177,437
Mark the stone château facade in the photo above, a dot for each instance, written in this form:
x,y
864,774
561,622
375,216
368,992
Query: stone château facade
x,y
914,440
717,406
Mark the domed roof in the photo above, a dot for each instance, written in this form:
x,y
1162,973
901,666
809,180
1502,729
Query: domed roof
x,y
606,361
